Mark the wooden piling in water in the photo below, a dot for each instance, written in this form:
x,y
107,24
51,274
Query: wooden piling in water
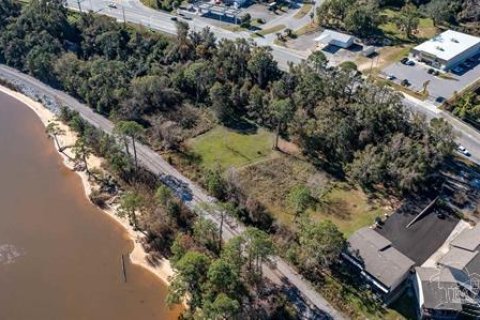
x,y
124,271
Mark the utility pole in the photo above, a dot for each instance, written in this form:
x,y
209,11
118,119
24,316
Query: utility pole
x,y
79,6
123,13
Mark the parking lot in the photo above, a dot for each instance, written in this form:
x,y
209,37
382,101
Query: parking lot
x,y
260,11
225,14
439,86
335,55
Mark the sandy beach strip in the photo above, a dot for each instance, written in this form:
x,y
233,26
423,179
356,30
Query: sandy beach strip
x,y
138,256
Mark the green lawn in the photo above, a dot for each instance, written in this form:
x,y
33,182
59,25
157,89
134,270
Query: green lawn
x,y
348,208
426,29
227,147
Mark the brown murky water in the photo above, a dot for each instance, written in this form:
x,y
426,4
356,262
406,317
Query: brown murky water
x,y
59,255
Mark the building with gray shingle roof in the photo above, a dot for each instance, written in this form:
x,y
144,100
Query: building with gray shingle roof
x,y
457,258
434,288
380,263
453,287
468,240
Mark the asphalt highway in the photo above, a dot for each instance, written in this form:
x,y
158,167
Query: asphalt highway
x,y
135,12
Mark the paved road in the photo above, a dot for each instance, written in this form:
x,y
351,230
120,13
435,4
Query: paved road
x,y
466,135
312,304
135,12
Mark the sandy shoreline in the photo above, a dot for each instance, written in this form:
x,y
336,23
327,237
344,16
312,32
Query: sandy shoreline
x,y
138,255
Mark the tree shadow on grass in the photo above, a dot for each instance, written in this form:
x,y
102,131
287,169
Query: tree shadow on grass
x,y
241,125
336,209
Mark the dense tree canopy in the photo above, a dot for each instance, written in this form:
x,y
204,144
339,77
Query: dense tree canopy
x,y
336,117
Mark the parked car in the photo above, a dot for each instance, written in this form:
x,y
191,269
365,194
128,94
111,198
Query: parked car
x,y
112,5
404,60
440,99
410,63
458,69
405,83
430,71
174,18
436,73
391,77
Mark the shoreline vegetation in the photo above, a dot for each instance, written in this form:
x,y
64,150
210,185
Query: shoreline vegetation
x,y
138,255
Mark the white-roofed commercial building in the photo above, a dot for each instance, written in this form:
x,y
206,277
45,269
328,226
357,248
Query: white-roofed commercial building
x,y
447,49
335,38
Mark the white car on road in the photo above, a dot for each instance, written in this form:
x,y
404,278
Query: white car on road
x,y
463,150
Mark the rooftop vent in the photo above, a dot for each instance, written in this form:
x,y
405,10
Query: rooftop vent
x,y
455,40
440,49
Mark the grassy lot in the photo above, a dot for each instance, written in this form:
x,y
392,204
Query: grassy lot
x,y
309,28
349,208
273,29
304,10
426,30
269,176
386,56
229,147
271,181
